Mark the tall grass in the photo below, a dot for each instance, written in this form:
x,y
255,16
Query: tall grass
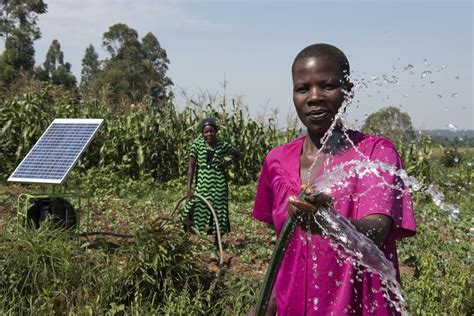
x,y
42,271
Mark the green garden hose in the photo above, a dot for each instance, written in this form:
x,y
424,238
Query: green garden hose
x,y
270,276
216,222
274,266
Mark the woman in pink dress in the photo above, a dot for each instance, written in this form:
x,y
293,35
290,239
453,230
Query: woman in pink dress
x,y
314,279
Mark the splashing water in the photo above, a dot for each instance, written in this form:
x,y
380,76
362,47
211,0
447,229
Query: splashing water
x,y
408,67
360,249
452,127
357,247
425,74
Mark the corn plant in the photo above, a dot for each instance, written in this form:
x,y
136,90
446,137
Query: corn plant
x,y
143,141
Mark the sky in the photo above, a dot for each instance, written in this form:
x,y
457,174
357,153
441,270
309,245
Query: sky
x,y
415,55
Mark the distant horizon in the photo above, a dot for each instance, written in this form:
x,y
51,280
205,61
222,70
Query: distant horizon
x,y
414,55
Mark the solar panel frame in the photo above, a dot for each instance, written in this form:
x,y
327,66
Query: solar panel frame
x,y
67,162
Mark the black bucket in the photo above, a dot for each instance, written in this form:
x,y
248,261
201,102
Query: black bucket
x,y
58,210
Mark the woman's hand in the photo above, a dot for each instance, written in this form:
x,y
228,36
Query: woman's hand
x,y
304,209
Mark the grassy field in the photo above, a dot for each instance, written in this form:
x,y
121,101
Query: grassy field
x,y
163,271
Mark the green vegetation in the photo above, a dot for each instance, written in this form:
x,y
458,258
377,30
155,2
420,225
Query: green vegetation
x,y
164,271
134,171
391,122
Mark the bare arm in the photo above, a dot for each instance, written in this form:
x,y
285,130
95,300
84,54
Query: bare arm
x,y
374,226
191,169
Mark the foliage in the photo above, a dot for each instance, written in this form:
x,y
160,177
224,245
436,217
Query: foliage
x,y
451,157
18,26
17,57
163,271
160,272
390,122
442,280
90,66
135,69
54,69
21,15
40,271
160,260
23,119
144,141
416,159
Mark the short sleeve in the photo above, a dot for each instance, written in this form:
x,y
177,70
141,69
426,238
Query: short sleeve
x,y
262,209
194,149
385,193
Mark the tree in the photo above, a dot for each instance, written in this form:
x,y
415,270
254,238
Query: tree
x,y
18,57
21,15
19,29
90,66
390,122
54,56
54,69
118,38
134,70
156,57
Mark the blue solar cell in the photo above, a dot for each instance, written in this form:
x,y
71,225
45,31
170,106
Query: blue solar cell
x,y
56,152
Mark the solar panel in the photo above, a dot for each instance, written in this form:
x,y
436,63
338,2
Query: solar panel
x,y
57,151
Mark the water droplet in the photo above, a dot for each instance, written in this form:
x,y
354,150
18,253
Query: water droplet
x,y
425,61
452,127
432,81
425,73
315,302
391,79
439,96
330,273
408,67
454,95
457,77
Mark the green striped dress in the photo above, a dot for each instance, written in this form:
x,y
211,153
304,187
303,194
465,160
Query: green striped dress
x,y
211,183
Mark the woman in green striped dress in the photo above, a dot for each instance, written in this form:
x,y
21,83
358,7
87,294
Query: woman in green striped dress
x,y
206,162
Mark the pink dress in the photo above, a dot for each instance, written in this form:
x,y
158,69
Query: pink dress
x,y
313,279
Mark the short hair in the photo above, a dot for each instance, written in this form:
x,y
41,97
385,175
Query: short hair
x,y
326,51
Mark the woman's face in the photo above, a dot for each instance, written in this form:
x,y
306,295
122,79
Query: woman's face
x,y
209,133
317,92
